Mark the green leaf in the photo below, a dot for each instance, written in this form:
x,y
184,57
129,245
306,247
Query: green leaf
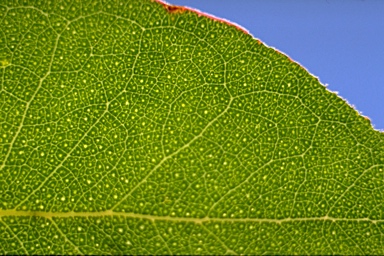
x,y
132,127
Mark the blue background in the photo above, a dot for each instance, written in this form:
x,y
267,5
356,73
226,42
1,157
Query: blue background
x,y
340,42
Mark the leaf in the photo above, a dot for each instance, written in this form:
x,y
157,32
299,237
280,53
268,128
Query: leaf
x,y
134,127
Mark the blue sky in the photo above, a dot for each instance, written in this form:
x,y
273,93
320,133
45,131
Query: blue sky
x,y
341,42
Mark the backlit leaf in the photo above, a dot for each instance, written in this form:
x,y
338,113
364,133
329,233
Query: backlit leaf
x,y
132,127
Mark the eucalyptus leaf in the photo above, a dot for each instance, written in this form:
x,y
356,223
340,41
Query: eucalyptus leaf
x,y
134,127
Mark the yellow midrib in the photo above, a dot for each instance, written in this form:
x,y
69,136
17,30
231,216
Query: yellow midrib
x,y
109,213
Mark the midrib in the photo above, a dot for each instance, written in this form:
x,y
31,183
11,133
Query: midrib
x,y
109,213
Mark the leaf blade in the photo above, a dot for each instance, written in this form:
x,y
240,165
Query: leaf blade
x,y
148,132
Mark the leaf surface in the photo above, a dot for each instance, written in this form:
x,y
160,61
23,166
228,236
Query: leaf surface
x,y
134,127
